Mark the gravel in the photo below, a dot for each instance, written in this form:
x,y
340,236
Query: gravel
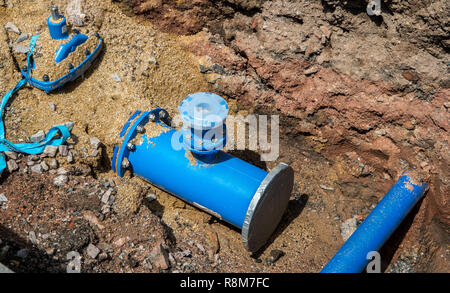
x,y
52,106
23,253
60,180
32,237
95,143
53,163
93,251
160,257
275,255
44,166
69,157
348,227
22,38
62,171
107,197
21,49
37,169
51,150
116,77
151,196
12,28
3,198
38,136
11,155
12,166
69,125
326,187
63,150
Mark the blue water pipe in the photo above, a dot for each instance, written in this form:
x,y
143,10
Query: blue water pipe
x,y
378,226
207,178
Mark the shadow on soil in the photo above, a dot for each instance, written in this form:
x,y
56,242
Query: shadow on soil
x,y
391,246
293,210
21,256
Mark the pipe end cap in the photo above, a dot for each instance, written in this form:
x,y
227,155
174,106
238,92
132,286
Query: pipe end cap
x,y
267,207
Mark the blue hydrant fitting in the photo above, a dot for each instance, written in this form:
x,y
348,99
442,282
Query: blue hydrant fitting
x,y
377,227
57,25
204,128
199,172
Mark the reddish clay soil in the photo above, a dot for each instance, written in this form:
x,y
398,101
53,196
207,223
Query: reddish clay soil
x,y
361,99
352,87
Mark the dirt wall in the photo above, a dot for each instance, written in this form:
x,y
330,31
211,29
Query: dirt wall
x,y
360,90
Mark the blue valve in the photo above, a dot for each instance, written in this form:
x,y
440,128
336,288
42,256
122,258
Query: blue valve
x,y
57,25
204,129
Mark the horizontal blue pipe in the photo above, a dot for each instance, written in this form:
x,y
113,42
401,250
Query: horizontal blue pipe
x,y
218,183
377,227
225,186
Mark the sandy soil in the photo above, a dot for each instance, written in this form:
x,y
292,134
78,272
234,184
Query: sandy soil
x,y
232,55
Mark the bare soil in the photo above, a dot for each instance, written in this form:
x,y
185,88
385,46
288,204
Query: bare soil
x,y
361,99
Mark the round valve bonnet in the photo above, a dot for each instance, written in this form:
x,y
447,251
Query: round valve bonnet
x,y
203,110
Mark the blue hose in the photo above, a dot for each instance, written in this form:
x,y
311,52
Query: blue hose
x,y
377,227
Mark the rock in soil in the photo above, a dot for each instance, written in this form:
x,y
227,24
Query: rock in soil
x,y
12,166
60,180
38,136
348,227
92,251
160,257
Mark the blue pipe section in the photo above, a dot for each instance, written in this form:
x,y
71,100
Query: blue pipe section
x,y
208,178
377,227
222,185
65,49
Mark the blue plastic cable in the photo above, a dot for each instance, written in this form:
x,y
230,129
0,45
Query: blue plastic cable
x,y
56,136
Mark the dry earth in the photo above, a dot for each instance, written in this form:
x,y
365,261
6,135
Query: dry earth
x,y
361,99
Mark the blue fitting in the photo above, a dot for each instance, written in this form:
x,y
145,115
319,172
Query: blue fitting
x,y
65,49
377,227
57,25
204,128
74,73
220,184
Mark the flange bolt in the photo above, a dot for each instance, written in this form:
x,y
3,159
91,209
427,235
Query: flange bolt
x,y
140,129
162,115
55,13
131,147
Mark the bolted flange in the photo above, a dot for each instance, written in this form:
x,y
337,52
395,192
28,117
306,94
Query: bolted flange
x,y
131,147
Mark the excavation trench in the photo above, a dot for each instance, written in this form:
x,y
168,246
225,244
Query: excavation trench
x,y
353,117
